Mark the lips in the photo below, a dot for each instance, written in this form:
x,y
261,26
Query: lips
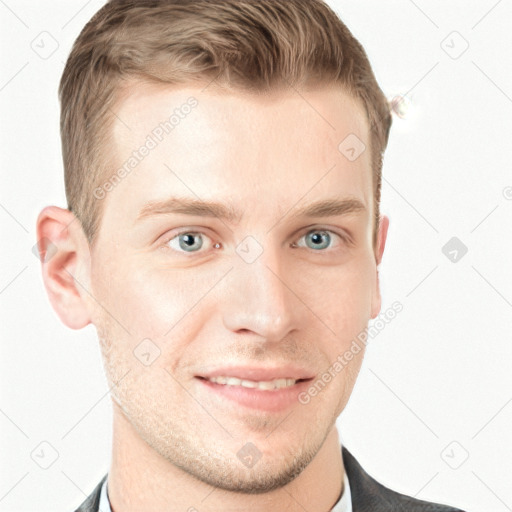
x,y
272,390
259,374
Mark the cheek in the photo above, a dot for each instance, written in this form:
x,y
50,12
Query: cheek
x,y
164,305
146,302
342,296
141,326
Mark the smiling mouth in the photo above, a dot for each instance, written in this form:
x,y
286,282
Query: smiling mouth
x,y
271,390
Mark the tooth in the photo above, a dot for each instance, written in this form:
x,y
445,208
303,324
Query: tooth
x,y
249,384
280,383
233,381
266,385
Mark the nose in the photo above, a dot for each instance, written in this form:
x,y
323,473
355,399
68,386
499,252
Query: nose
x,y
259,298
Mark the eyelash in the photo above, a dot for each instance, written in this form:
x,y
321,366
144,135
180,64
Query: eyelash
x,y
345,239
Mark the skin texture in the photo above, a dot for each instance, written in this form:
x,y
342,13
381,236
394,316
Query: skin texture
x,y
175,442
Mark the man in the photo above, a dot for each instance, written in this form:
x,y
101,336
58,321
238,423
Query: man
x,y
223,166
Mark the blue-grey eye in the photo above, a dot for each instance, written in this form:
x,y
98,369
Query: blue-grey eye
x,y
186,241
316,238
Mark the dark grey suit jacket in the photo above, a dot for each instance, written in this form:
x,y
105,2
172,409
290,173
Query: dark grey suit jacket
x,y
367,494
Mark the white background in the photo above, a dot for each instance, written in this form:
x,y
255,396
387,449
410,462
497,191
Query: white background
x,y
436,384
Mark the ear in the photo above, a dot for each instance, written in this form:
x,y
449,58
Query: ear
x,y
65,260
379,251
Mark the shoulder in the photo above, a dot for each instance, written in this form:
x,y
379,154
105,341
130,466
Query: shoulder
x,y
368,495
92,503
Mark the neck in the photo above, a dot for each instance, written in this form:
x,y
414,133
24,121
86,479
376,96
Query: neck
x,y
141,479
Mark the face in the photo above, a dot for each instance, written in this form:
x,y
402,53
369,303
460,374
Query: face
x,y
259,286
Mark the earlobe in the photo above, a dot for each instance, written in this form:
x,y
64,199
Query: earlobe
x,y
65,257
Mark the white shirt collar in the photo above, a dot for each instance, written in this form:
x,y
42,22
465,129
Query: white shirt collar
x,y
104,502
345,502
343,505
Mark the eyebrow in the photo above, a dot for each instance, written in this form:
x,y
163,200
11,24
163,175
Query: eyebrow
x,y
196,207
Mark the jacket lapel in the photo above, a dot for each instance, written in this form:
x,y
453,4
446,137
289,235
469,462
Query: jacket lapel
x,y
92,503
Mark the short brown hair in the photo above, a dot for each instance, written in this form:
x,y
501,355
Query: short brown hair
x,y
250,45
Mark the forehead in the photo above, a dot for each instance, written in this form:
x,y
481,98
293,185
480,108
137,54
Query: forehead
x,y
210,143
326,112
